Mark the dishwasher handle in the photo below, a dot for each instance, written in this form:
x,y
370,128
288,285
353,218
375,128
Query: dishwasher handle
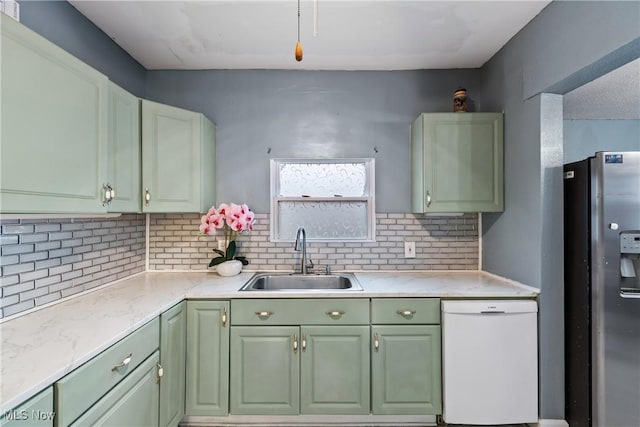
x,y
490,307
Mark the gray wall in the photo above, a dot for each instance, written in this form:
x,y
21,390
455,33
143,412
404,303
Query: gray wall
x,y
525,242
570,43
311,114
582,138
63,25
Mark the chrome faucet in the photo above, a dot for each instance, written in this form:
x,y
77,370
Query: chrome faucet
x,y
301,245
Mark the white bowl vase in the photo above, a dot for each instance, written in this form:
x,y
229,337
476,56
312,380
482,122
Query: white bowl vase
x,y
229,268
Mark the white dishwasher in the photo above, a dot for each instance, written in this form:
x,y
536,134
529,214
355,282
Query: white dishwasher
x,y
490,362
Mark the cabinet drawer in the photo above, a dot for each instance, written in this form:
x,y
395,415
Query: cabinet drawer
x,y
393,311
329,311
133,402
83,387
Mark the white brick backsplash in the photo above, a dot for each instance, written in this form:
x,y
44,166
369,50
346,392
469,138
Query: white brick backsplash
x,y
17,308
47,260
442,243
16,289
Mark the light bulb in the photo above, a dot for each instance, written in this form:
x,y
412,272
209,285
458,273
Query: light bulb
x,y
298,52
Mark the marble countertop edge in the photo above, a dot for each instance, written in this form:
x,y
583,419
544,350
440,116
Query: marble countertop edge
x,y
78,328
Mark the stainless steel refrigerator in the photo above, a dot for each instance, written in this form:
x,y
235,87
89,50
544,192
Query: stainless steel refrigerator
x,y
602,290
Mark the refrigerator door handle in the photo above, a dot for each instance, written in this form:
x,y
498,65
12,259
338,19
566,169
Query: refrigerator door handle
x,y
629,294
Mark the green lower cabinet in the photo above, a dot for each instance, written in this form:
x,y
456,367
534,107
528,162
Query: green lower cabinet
x,y
36,412
133,402
265,370
207,370
406,370
334,370
173,334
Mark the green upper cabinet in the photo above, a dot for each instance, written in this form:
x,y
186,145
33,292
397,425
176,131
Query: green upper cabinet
x,y
54,127
207,372
173,348
178,159
123,157
457,162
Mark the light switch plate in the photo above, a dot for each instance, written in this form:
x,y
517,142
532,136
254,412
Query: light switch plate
x,y
409,249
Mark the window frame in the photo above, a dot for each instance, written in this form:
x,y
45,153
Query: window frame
x,y
368,198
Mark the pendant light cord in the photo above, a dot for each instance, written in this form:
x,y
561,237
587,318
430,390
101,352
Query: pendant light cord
x,y
298,20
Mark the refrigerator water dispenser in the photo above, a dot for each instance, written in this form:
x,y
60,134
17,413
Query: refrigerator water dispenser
x,y
630,262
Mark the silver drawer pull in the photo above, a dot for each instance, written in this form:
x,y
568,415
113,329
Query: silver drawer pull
x,y
376,342
124,362
336,313
406,313
264,313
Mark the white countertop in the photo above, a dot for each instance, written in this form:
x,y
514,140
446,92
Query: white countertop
x,y
41,347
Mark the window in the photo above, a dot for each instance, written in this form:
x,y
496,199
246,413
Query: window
x,y
332,199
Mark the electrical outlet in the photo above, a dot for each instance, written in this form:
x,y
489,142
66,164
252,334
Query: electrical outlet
x,y
409,249
221,245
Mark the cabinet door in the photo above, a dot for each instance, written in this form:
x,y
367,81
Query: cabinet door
x,y
173,334
406,370
36,412
123,159
54,127
133,402
334,370
208,358
457,162
265,370
171,165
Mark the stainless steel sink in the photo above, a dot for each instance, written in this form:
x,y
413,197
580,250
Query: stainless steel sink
x,y
302,282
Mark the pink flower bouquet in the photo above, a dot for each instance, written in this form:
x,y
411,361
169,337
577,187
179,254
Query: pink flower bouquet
x,y
233,219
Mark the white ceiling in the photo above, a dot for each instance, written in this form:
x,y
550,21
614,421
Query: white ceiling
x,y
352,34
